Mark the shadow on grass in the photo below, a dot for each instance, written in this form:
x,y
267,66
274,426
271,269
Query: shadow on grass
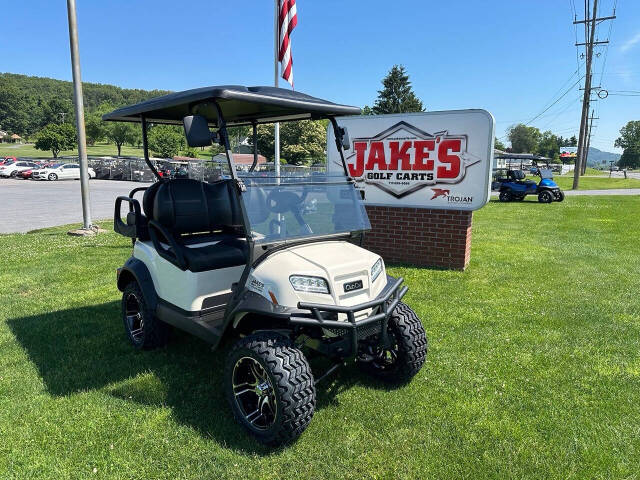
x,y
86,349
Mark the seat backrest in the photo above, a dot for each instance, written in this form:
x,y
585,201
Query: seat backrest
x,y
189,206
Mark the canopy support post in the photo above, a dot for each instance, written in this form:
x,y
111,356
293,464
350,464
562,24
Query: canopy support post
x,y
145,148
255,146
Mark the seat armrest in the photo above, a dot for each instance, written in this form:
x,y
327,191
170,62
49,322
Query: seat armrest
x,y
119,226
172,254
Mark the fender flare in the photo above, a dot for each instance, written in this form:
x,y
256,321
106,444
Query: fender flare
x,y
135,269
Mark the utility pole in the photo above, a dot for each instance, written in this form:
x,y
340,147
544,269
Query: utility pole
x,y
590,30
586,151
79,109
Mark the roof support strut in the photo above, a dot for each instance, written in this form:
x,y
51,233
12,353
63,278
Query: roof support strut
x,y
145,148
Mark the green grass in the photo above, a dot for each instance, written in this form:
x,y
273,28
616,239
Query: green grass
x,y
598,183
99,149
533,369
588,171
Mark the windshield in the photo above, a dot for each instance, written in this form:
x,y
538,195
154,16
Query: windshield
x,y
301,206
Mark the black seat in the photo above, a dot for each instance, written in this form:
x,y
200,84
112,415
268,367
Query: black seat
x,y
200,222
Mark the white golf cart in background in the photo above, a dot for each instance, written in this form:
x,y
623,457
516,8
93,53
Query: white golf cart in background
x,y
271,260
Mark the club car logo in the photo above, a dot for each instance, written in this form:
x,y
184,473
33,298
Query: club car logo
x,y
404,159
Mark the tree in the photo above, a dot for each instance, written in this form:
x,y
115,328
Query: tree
x,y
548,145
301,143
166,141
56,137
573,142
498,145
629,140
120,133
95,128
397,95
523,139
58,110
367,110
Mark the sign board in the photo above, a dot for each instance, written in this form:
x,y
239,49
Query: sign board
x,y
440,160
568,152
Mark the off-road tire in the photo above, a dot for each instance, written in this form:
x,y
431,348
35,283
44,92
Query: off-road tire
x,y
155,333
560,196
545,196
289,374
505,196
405,326
52,177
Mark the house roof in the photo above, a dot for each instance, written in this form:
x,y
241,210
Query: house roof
x,y
15,136
240,106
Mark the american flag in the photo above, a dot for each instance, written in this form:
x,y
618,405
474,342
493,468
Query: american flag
x,y
288,21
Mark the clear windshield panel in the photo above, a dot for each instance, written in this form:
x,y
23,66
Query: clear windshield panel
x,y
293,207
546,173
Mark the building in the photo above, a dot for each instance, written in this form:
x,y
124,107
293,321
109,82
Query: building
x,y
3,136
15,138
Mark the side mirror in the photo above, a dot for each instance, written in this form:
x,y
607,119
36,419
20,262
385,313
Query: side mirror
x,y
197,131
346,142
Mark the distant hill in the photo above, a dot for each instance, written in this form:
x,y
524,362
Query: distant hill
x,y
598,158
28,103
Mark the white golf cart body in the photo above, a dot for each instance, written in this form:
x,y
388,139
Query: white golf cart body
x,y
254,251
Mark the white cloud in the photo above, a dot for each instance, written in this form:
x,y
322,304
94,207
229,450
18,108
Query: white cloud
x,y
630,43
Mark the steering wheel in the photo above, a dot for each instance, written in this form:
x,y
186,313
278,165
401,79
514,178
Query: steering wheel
x,y
281,201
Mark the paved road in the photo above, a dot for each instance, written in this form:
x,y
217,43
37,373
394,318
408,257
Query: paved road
x,y
28,205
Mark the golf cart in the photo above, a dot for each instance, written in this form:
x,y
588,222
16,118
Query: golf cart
x,y
272,261
515,186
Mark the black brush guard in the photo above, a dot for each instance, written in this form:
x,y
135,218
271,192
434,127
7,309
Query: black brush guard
x,y
357,329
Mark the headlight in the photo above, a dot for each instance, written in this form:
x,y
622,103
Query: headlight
x,y
376,270
302,283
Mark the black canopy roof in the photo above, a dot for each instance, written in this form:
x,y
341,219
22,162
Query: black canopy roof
x,y
239,105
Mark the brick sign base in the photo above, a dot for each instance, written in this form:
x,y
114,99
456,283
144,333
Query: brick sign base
x,y
425,237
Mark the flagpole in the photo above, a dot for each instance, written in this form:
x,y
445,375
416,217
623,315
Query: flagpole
x,y
276,51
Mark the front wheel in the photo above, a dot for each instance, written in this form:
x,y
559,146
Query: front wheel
x,y
13,174
505,196
545,196
270,388
407,352
559,196
53,177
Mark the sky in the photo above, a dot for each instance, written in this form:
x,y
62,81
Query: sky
x,y
513,58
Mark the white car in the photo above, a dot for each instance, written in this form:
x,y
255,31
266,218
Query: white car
x,y
61,171
12,169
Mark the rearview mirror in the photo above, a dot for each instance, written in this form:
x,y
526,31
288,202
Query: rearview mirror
x,y
196,129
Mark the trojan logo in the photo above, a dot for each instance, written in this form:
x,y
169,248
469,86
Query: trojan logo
x,y
404,159
439,192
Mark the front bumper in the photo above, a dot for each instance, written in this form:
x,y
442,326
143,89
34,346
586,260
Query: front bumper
x,y
376,323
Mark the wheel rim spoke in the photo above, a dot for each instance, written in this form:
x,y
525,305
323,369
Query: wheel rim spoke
x,y
253,393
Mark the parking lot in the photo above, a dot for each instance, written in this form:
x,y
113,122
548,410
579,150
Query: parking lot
x,y
29,205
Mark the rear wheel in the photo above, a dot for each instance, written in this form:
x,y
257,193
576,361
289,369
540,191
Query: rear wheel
x,y
505,196
52,177
407,352
144,329
270,388
545,196
13,174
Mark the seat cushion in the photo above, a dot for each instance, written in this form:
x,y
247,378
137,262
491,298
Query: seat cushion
x,y
224,254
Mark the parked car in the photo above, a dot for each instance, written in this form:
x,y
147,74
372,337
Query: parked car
x,y
61,171
12,169
6,160
27,173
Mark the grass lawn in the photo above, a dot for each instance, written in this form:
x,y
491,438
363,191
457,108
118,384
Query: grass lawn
x,y
533,369
99,149
597,183
588,171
